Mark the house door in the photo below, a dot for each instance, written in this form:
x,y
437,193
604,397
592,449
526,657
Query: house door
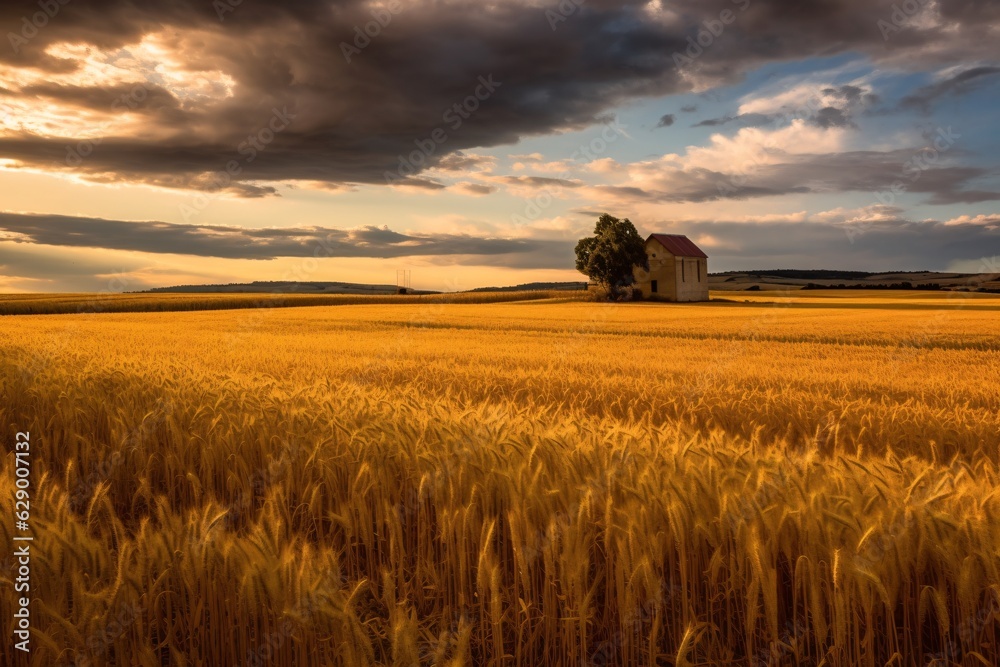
x,y
653,287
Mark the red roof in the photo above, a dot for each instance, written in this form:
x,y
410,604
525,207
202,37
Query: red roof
x,y
678,245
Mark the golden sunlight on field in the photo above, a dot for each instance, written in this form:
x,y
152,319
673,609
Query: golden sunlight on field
x,y
772,480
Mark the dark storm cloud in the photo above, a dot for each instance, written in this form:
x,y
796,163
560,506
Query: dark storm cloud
x,y
832,117
354,120
888,243
961,83
147,98
242,243
666,120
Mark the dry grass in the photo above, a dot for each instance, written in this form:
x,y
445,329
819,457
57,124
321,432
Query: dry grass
x,y
512,484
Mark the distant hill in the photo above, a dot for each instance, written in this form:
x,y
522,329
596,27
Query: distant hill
x,y
532,287
290,287
286,287
832,279
810,274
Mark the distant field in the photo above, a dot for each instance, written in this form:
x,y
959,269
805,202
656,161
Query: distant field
x,y
765,480
49,304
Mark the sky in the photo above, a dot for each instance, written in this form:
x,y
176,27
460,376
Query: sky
x,y
473,142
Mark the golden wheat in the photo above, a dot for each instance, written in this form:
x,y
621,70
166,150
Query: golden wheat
x,y
517,484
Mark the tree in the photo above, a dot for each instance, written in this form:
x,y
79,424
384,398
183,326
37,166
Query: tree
x,y
610,256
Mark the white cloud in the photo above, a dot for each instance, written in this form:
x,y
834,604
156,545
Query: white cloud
x,y
752,146
605,165
702,168
802,100
988,220
554,167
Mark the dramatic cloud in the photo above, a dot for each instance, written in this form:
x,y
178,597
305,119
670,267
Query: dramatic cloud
x,y
203,95
756,163
874,238
263,244
309,98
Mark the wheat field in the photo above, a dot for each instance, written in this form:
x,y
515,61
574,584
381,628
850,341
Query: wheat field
x,y
770,480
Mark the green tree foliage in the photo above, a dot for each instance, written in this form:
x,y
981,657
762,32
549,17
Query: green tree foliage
x,y
610,255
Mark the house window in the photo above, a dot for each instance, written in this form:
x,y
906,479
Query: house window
x,y
699,270
683,278
653,287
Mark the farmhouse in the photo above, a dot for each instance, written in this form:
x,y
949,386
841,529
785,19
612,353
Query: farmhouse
x,y
678,269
